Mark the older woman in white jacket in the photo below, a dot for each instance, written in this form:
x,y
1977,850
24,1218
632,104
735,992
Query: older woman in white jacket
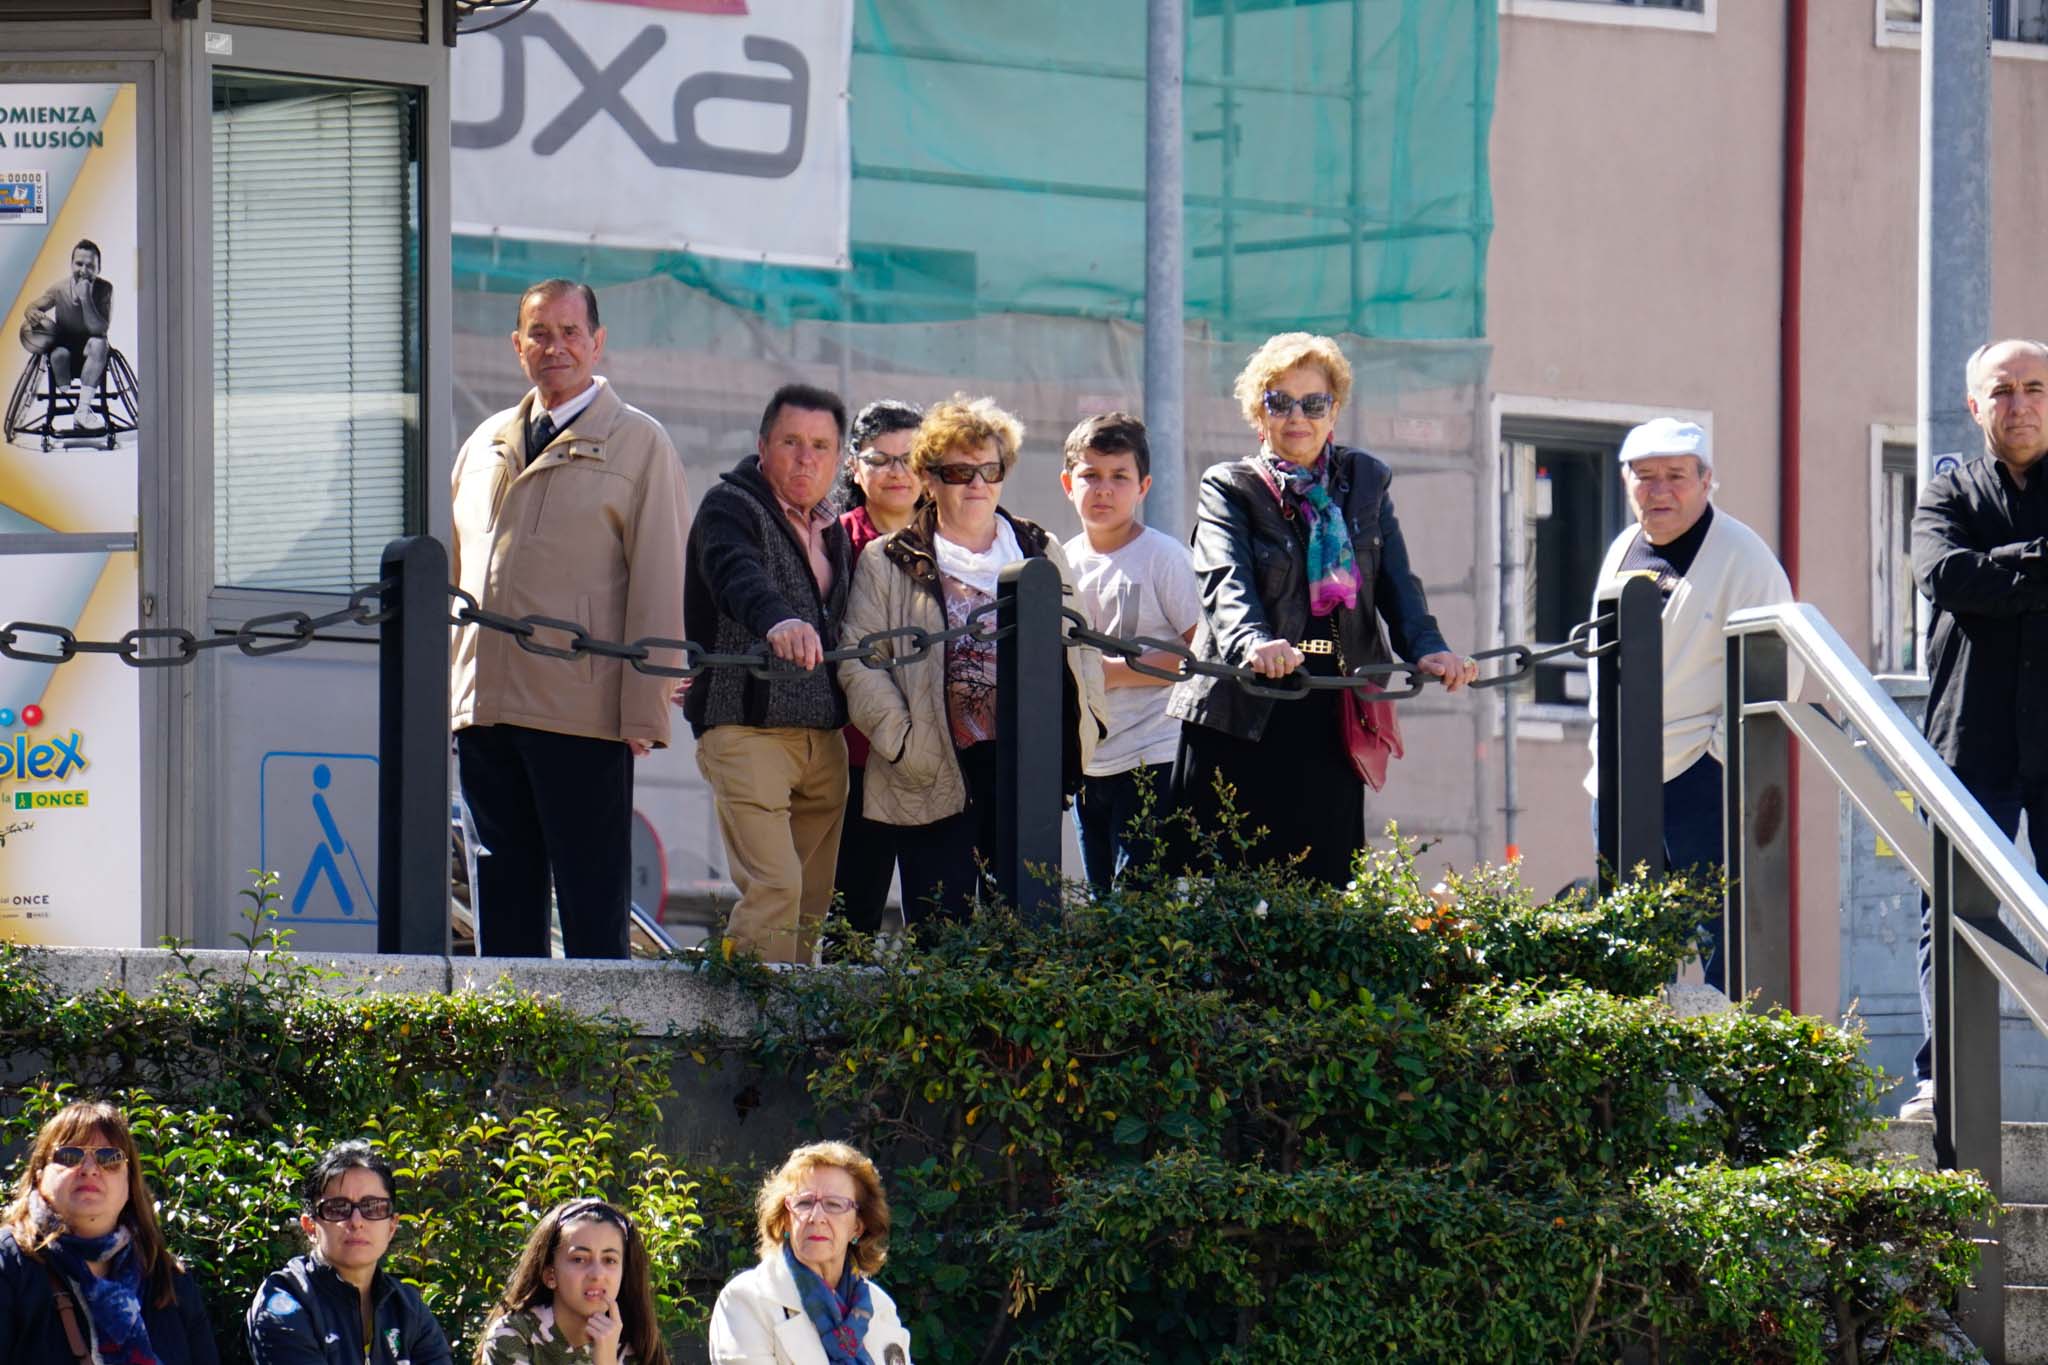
x,y
824,1232
931,768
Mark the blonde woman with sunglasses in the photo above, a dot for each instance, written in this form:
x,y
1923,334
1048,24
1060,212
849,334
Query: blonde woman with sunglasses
x,y
84,1273
1304,573
931,724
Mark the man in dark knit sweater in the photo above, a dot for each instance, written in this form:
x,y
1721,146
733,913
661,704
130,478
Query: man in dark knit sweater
x,y
769,562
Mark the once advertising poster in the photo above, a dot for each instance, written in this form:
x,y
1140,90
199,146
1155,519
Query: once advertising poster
x,y
70,375
712,126
70,760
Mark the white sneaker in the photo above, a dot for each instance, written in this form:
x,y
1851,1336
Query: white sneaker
x,y
85,419
1920,1108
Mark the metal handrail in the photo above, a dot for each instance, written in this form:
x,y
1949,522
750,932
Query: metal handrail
x,y
1961,859
1896,740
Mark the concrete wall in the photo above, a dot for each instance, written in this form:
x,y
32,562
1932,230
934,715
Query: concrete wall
x,y
1638,179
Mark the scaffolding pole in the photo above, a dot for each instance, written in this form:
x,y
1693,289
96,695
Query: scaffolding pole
x,y
1165,257
1955,229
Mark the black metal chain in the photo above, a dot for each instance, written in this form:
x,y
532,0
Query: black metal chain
x,y
284,631
277,632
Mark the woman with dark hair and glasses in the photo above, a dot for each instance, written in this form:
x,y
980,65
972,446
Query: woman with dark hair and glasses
x,y
1300,561
823,1226
931,724
336,1305
582,1294
881,493
84,1273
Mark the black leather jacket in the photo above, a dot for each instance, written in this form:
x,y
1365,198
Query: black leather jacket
x,y
1251,556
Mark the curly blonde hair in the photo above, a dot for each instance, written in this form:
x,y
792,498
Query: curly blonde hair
x,y
1282,353
872,1249
963,423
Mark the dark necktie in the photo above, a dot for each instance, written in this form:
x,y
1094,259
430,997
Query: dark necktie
x,y
538,436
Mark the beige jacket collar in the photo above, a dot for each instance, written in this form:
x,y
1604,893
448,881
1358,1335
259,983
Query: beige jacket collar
x,y
584,436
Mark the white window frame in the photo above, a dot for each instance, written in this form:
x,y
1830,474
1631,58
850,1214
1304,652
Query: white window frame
x,y
1618,15
1882,434
1567,722
1907,37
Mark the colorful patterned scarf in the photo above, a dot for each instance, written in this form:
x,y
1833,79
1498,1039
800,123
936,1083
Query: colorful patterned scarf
x,y
1332,569
840,1317
114,1302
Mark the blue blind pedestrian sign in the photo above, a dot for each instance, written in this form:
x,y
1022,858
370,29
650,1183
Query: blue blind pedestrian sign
x,y
317,838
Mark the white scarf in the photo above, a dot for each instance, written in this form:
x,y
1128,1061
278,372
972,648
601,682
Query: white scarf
x,y
978,568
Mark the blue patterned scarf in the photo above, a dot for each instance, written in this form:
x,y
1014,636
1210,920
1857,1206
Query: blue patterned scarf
x,y
114,1302
841,1318
1332,568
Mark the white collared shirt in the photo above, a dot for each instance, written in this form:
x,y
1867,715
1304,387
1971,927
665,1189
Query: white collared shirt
x,y
567,412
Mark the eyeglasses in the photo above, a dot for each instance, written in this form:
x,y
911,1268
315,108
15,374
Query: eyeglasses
x,y
338,1210
956,474
1314,406
106,1158
833,1205
877,461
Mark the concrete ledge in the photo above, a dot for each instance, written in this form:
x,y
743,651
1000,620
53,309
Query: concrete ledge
x,y
1687,1000
656,998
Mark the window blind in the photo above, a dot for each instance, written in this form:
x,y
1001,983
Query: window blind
x,y
315,329
402,21
27,11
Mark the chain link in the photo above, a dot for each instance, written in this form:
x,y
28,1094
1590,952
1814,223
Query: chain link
x,y
898,647
255,637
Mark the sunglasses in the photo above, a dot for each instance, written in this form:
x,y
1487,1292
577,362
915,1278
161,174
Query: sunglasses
x,y
106,1158
1314,406
833,1205
957,474
337,1210
879,461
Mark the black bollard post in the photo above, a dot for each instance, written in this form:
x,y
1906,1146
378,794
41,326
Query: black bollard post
x,y
412,751
1630,742
1030,669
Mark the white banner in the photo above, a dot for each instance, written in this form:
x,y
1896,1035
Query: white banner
x,y
712,126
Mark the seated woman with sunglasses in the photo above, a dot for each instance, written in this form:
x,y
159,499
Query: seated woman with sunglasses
x,y
1300,560
84,1273
880,494
824,1232
931,725
334,1305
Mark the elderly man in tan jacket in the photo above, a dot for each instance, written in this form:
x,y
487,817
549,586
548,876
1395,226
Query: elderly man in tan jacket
x,y
569,505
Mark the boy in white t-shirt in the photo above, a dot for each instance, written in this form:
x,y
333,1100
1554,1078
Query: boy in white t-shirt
x,y
1129,580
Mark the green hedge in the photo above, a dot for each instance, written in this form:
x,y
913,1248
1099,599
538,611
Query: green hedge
x,y
1498,1067
1244,1119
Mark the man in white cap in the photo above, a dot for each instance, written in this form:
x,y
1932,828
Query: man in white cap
x,y
1707,564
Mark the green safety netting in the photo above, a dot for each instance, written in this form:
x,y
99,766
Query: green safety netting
x,y
1336,172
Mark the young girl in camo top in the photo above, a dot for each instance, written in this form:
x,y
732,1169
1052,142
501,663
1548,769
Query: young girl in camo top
x,y
581,1295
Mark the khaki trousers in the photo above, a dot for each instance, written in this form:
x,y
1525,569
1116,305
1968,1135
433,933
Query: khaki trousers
x,y
780,794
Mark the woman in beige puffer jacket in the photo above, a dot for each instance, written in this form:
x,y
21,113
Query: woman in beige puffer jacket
x,y
931,724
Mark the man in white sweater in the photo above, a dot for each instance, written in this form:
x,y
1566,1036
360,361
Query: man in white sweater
x,y
1707,564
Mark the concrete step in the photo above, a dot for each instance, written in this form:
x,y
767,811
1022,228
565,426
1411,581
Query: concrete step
x,y
2022,1227
2023,1151
2026,1325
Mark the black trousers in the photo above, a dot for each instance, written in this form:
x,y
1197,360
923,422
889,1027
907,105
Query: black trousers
x,y
867,860
549,807
940,861
1296,783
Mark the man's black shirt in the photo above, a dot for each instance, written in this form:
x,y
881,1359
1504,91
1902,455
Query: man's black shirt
x,y
1668,563
1979,555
